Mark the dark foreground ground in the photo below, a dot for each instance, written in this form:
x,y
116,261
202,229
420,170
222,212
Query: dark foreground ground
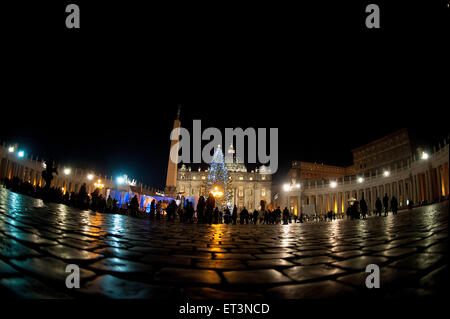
x,y
125,257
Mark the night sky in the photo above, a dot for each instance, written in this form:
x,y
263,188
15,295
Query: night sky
x,y
106,98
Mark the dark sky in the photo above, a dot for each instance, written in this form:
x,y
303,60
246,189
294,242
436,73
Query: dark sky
x,y
105,98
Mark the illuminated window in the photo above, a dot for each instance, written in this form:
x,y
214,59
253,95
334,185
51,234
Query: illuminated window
x,y
241,191
193,177
251,178
203,177
241,178
263,192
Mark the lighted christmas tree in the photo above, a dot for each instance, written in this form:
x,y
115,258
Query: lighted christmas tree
x,y
218,181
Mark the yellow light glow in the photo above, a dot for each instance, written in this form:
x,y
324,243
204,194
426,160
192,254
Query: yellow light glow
x,y
217,192
99,184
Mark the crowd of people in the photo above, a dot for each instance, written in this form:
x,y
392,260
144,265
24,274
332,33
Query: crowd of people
x,y
206,212
360,209
82,200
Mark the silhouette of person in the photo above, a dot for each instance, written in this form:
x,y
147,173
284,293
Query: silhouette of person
x,y
394,205
234,214
364,208
378,206
201,210
210,204
386,204
285,216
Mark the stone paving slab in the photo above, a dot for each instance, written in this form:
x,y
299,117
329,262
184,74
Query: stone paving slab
x,y
182,275
323,289
112,287
125,257
260,276
69,253
210,293
313,272
49,268
30,288
7,270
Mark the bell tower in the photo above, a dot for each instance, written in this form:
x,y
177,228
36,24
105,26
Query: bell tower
x,y
172,167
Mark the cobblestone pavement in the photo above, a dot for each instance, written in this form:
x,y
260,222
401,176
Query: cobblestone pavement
x,y
125,257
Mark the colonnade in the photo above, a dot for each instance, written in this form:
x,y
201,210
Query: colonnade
x,y
29,169
421,180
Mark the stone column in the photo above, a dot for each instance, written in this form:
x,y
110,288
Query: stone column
x,y
315,203
333,201
438,182
403,190
428,186
344,198
446,178
372,195
324,207
398,191
410,189
417,188
339,203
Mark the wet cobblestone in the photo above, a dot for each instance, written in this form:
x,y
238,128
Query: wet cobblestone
x,y
125,257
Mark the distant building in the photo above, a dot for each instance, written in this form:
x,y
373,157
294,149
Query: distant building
x,y
385,166
306,170
387,153
247,188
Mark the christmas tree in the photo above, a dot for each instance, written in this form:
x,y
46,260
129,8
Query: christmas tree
x,y
218,182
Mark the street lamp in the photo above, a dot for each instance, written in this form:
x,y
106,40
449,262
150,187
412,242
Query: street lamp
x,y
333,184
360,180
386,173
21,154
90,177
120,180
425,156
11,149
67,171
